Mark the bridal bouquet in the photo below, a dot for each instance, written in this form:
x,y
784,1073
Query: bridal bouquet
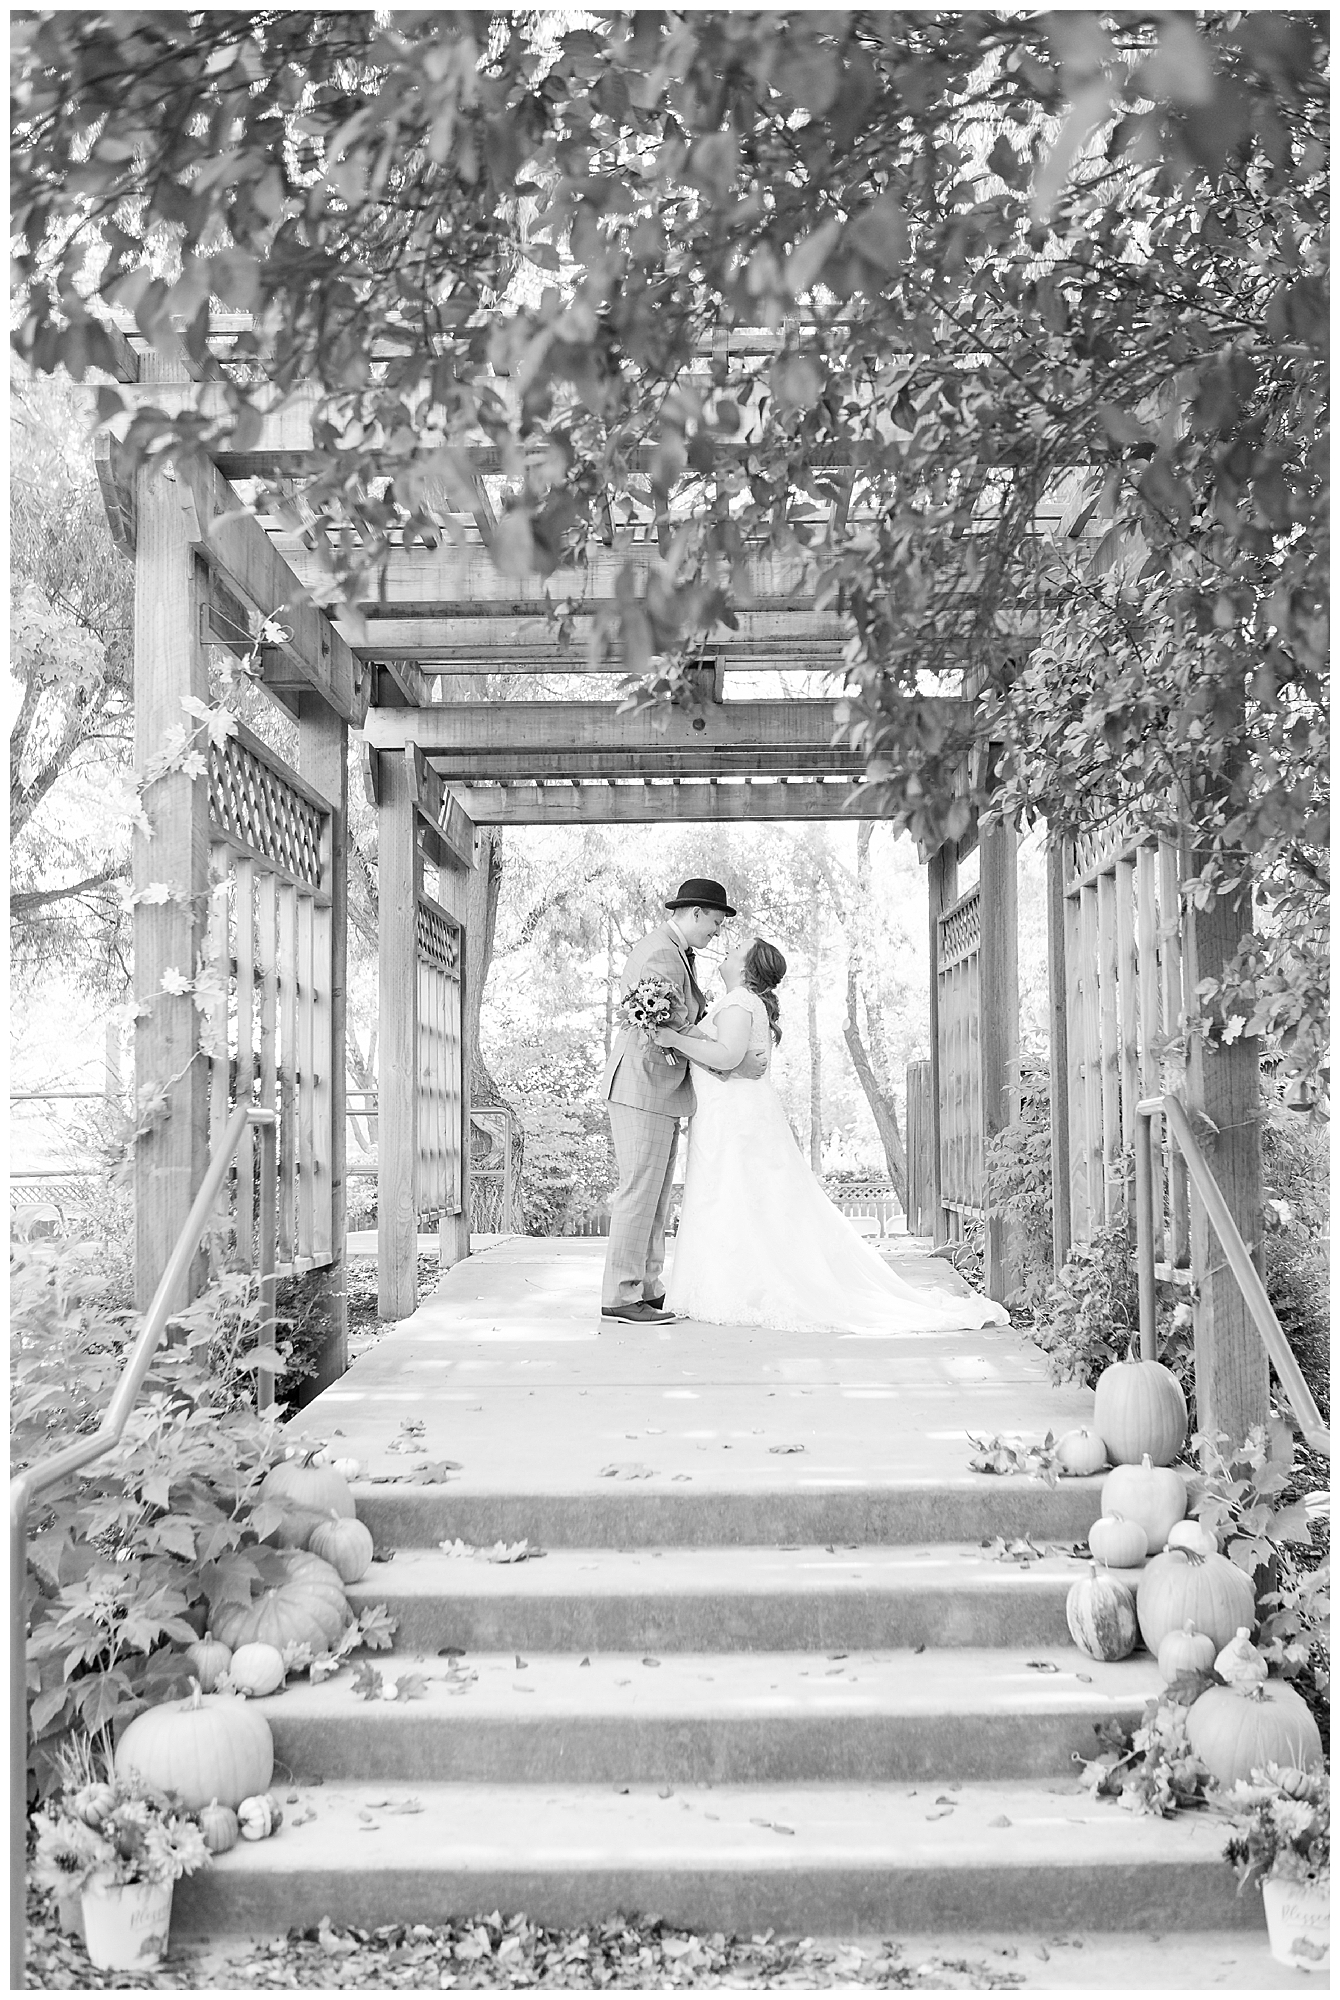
x,y
648,1006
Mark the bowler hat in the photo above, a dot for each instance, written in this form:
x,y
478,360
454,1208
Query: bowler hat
x,y
699,893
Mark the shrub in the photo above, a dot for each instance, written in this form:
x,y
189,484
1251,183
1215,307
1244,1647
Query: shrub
x,y
127,1558
1090,1315
1296,1177
1019,1184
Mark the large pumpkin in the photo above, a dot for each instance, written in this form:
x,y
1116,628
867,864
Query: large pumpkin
x,y
1235,1733
1153,1495
1180,1588
1101,1615
305,1606
211,1746
308,1494
1139,1409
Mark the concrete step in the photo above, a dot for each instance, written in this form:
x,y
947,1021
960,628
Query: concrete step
x,y
724,1600
963,1713
829,1859
632,1509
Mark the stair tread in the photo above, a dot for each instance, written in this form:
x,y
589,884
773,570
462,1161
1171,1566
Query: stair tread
x,y
480,1828
967,1680
741,1570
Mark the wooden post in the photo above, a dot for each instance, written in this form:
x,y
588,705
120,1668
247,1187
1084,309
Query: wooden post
x,y
999,1017
1224,1086
171,1152
398,868
1093,1053
1110,1051
1058,1014
323,759
1081,1210
942,890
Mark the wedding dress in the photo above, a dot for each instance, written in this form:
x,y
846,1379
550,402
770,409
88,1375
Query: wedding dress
x,y
760,1244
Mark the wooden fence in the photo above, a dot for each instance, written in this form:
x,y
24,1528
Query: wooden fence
x,y
960,1034
440,1107
264,988
1125,1022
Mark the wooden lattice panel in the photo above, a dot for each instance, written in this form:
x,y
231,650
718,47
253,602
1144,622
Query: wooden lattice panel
x,y
252,804
438,942
1100,848
961,929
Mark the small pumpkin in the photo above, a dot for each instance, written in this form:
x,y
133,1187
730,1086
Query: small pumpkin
x,y
1235,1732
259,1817
308,1493
257,1668
1139,1410
210,1746
1081,1452
348,1468
1185,1652
1239,1664
306,1606
1193,1535
209,1660
346,1545
92,1803
1101,1615
1153,1495
1118,1543
218,1827
1179,1587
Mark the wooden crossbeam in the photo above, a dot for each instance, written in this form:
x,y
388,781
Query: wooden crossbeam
x,y
429,583
508,643
314,659
447,832
646,804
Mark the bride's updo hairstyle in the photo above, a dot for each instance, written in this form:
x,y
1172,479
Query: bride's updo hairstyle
x,y
764,971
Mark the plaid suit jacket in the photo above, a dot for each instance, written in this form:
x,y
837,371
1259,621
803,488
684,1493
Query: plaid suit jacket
x,y
641,1076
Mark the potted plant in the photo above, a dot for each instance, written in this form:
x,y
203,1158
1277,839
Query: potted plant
x,y
117,1845
1281,1839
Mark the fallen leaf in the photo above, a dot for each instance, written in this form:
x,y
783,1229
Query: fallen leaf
x,y
649,1662
1043,1666
520,1662
783,1450
1001,1821
584,1663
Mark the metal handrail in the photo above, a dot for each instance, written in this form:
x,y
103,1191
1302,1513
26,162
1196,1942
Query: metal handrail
x,y
36,1479
1255,1297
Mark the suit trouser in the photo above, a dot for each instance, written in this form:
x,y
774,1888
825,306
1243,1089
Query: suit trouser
x,y
644,1146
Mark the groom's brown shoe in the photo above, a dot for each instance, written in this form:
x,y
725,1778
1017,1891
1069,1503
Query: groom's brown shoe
x,y
641,1313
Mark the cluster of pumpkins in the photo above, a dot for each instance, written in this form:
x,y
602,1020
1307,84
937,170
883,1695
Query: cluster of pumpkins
x,y
1191,1606
215,1752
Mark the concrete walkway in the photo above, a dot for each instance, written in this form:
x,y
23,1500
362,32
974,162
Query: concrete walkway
x,y
510,1372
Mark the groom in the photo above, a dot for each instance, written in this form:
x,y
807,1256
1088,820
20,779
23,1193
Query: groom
x,y
647,1097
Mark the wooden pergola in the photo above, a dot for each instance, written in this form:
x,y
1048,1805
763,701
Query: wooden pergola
x,y
257,854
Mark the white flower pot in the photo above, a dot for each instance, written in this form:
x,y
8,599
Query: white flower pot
x,y
126,1924
1298,1917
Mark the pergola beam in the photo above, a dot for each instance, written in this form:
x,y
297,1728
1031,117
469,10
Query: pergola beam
x,y
650,804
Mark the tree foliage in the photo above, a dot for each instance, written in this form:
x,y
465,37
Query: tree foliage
x,y
1043,415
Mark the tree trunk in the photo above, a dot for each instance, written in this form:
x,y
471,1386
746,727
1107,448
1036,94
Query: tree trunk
x,y
816,1061
879,1099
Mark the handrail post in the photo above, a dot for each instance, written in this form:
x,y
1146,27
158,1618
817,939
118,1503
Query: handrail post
x,y
18,1744
269,1178
1144,1232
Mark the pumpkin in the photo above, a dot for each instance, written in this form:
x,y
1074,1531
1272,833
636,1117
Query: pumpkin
x,y
306,1607
1118,1543
308,1493
209,1747
346,1545
1239,1664
92,1803
259,1817
1236,1732
1139,1410
257,1668
1153,1495
210,1660
1180,1587
1193,1535
348,1468
1101,1615
1185,1652
218,1827
1081,1452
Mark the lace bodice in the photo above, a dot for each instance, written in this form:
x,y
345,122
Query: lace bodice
x,y
760,1035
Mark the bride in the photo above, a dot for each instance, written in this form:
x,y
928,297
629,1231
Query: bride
x,y
759,1243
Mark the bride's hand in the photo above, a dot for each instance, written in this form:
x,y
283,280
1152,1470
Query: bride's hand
x,y
664,1038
